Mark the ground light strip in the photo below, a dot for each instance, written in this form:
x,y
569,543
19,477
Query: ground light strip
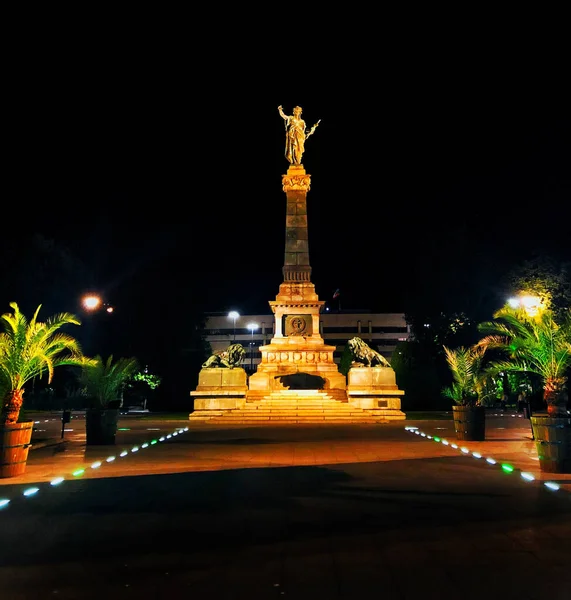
x,y
32,491
505,467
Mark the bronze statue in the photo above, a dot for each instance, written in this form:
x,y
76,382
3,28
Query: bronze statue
x,y
364,356
296,135
226,359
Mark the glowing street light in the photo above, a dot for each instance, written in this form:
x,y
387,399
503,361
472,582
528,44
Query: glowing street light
x,y
252,327
234,315
531,304
91,302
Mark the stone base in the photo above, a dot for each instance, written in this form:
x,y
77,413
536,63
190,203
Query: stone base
x,y
219,390
276,378
222,380
371,378
218,402
375,390
380,405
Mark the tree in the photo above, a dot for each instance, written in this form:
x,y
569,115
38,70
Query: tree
x,y
470,386
546,277
346,360
30,349
420,374
104,380
532,344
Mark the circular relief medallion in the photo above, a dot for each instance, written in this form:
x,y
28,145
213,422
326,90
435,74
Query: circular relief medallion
x,y
310,357
297,356
297,326
271,357
284,356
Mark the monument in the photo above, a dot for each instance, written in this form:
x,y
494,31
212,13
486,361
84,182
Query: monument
x,y
297,376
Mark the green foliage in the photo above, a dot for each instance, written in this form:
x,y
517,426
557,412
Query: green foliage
x,y
153,381
531,345
547,278
465,364
450,329
33,349
419,374
346,360
104,380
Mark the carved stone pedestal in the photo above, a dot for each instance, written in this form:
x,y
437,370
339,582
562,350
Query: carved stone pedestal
x,y
218,390
375,389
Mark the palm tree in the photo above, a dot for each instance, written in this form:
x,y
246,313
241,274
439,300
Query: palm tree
x,y
30,349
533,344
465,364
104,380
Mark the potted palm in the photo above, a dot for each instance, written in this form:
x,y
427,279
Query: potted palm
x,y
29,349
103,382
466,390
537,344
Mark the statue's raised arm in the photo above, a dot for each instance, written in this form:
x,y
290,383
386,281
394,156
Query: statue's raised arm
x,y
296,134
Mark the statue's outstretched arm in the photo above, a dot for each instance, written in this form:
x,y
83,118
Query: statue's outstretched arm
x,y
312,129
282,114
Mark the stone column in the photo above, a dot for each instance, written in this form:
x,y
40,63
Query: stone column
x,y
296,261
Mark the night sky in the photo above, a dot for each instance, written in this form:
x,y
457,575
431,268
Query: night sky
x,y
424,189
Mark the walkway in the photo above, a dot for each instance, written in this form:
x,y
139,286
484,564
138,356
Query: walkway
x,y
340,511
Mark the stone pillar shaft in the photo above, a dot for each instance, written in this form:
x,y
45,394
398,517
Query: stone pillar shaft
x,y
296,267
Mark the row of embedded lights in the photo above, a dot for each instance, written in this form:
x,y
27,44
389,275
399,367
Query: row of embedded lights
x,y
492,461
32,491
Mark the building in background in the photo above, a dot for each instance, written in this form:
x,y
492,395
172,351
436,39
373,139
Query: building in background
x,y
381,331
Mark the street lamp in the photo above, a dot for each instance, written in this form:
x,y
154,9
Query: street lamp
x,y
91,302
531,304
252,327
234,315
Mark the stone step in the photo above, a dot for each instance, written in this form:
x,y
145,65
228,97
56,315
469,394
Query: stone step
x,y
293,420
297,392
298,399
294,401
288,405
298,412
301,411
265,417
301,405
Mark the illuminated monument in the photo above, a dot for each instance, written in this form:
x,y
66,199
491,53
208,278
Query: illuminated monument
x,y
297,378
297,345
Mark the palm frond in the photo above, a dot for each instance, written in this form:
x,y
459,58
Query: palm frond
x,y
103,380
535,344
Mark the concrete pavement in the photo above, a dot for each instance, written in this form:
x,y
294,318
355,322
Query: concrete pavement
x,y
362,511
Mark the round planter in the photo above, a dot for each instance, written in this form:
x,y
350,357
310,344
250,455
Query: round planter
x,y
14,445
553,442
101,426
469,422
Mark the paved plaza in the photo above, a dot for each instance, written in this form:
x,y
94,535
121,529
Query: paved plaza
x,y
299,511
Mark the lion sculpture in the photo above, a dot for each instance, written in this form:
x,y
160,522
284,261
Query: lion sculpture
x,y
229,358
364,355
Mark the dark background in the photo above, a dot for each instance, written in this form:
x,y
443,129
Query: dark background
x,y
160,189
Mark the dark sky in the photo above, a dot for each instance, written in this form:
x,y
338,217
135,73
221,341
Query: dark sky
x,y
423,184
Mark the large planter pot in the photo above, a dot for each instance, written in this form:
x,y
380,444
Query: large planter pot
x,y
552,437
469,422
101,426
14,445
